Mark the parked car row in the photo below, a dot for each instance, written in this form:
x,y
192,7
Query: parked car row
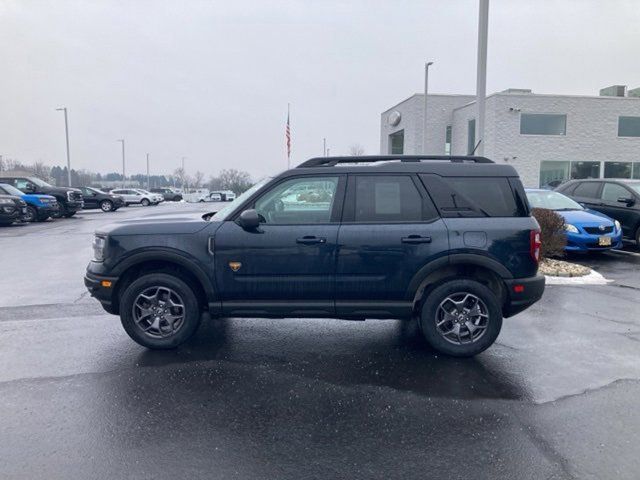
x,y
30,199
598,213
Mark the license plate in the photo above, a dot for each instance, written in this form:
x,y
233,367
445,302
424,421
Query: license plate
x,y
604,241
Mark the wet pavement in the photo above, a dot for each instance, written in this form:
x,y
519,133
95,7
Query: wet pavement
x,y
556,397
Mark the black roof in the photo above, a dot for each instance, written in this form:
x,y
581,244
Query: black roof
x,y
446,165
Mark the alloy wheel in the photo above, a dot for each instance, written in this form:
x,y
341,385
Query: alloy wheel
x,y
159,312
462,318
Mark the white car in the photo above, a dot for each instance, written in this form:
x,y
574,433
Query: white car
x,y
134,195
156,198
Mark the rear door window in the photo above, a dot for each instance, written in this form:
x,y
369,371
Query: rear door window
x,y
386,199
587,190
474,196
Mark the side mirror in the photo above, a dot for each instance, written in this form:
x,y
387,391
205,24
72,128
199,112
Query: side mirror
x,y
627,200
249,219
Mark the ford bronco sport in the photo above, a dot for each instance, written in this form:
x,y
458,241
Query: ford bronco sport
x,y
447,240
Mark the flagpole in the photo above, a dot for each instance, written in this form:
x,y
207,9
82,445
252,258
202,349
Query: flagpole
x,y
288,137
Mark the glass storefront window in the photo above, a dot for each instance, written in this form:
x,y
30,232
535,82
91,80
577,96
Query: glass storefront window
x,y
553,173
636,170
617,169
581,170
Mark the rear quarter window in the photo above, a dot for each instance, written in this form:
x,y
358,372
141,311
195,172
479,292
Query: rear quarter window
x,y
474,196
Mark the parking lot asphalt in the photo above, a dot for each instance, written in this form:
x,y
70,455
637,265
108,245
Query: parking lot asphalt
x,y
556,397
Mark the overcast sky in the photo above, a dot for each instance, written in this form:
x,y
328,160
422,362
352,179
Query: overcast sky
x,y
211,80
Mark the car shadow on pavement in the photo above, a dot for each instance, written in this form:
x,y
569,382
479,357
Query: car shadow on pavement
x,y
378,353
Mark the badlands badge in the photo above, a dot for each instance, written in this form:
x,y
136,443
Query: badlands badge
x,y
235,266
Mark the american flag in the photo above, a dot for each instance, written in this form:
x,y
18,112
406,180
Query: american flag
x,y
287,135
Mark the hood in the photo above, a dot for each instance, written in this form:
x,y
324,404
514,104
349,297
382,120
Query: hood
x,y
9,197
168,224
585,217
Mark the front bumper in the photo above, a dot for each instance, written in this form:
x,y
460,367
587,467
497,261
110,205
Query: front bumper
x,y
11,213
46,210
96,285
74,205
522,293
586,242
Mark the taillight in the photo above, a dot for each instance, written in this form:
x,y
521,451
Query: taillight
x,y
535,244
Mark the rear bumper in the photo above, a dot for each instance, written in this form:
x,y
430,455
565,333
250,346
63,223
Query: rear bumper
x,y
522,293
104,294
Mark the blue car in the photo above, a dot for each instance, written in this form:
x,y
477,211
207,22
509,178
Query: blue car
x,y
587,230
39,207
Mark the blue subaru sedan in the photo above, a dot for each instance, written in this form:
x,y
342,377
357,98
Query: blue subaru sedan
x,y
587,230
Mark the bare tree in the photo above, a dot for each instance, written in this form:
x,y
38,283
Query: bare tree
x,y
214,183
235,180
356,150
41,170
197,179
180,175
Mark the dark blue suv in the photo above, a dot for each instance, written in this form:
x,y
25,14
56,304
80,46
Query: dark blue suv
x,y
447,240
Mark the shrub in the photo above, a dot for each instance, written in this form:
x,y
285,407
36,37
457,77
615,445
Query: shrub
x,y
552,233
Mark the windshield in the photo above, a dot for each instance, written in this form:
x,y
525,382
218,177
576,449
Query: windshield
x,y
552,201
11,190
224,212
37,181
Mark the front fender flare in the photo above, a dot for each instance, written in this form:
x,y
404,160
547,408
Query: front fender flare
x,y
171,256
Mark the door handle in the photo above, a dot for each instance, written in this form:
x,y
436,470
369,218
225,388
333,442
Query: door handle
x,y
416,239
310,240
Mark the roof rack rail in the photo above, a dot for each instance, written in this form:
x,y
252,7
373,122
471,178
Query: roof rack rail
x,y
333,161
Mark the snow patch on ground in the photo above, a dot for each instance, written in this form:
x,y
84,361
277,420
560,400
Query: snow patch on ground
x,y
593,278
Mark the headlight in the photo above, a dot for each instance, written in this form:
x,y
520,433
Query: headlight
x,y
570,228
98,248
618,226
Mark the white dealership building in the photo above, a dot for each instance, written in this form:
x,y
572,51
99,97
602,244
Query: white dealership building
x,y
547,138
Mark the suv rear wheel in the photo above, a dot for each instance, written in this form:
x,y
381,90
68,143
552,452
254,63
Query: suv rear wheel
x,y
159,311
461,318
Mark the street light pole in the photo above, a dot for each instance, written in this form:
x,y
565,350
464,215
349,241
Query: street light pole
x,y
424,119
324,147
66,134
148,181
481,81
123,174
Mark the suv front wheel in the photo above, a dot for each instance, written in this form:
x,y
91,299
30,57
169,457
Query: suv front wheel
x,y
159,311
461,318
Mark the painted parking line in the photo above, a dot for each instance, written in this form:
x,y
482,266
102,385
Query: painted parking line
x,y
634,254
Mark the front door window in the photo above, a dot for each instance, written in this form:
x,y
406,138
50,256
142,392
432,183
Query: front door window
x,y
304,200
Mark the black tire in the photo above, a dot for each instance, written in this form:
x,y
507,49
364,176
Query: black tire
x,y
32,214
43,218
191,311
145,202
106,206
69,214
431,313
